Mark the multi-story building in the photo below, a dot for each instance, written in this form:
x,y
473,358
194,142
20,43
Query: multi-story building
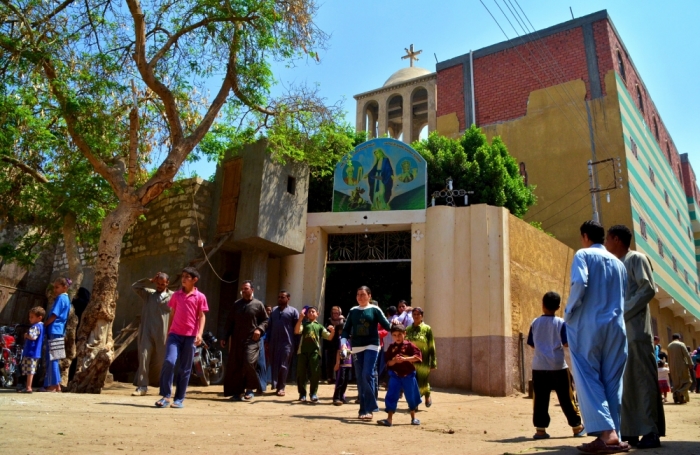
x,y
559,98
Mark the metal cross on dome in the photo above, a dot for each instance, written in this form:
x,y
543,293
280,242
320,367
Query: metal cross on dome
x,y
411,54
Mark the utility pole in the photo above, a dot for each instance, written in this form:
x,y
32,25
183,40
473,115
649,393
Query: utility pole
x,y
594,190
616,183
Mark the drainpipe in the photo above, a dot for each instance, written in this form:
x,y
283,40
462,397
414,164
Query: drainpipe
x,y
471,71
522,362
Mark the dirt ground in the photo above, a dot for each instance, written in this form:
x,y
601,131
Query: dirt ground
x,y
115,422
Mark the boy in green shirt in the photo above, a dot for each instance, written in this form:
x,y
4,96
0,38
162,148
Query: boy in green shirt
x,y
309,358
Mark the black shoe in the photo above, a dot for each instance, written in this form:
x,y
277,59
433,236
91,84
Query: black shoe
x,y
649,441
632,440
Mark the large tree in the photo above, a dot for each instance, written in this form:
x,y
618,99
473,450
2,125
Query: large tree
x,y
476,165
131,82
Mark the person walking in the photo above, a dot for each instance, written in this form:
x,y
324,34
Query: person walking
x,y
331,347
153,329
595,327
680,365
281,340
642,405
187,319
361,327
246,324
420,334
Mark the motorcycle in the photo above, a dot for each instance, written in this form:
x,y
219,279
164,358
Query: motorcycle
x,y
11,358
208,363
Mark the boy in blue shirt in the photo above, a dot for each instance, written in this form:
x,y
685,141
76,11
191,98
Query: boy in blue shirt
x,y
32,346
549,369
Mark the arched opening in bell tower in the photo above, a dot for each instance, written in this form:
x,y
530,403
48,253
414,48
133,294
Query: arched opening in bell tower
x,y
419,113
372,119
395,117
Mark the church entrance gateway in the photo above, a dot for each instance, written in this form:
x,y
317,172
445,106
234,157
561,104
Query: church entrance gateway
x,y
379,260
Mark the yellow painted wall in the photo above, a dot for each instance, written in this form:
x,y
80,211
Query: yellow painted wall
x,y
553,140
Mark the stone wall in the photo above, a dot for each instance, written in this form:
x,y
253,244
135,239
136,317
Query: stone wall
x,y
163,240
87,258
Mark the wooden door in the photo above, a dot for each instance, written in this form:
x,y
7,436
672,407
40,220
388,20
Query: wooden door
x,y
229,196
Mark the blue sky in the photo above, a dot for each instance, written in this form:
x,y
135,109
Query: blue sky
x,y
368,39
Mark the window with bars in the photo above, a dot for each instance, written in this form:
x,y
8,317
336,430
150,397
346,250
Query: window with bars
x,y
634,147
685,275
640,100
660,244
652,176
643,227
656,129
668,203
675,264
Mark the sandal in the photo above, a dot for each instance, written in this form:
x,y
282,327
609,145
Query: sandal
x,y
415,422
163,403
280,393
384,423
598,446
24,391
367,417
177,404
428,401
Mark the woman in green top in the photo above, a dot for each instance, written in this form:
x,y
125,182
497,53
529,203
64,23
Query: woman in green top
x,y
421,335
361,327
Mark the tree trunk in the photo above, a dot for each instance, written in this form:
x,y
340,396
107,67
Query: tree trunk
x,y
95,334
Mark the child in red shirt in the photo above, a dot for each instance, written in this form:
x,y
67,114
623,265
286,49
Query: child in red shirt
x,y
400,357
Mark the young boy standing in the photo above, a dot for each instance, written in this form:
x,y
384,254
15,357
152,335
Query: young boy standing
x,y
343,370
549,369
309,358
32,346
187,308
400,357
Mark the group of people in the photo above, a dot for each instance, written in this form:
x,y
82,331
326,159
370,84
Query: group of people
x,y
365,343
607,327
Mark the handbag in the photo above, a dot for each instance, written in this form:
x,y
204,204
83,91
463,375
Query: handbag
x,y
57,348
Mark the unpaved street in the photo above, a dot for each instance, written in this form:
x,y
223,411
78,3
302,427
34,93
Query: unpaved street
x,y
115,422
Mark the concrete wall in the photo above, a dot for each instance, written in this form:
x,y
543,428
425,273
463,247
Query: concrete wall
x,y
22,288
538,264
166,240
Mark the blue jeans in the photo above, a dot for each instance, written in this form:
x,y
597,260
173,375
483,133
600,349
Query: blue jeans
x,y
177,347
365,363
409,385
53,372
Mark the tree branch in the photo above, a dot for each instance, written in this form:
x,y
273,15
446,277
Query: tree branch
x,y
56,10
38,176
133,137
148,76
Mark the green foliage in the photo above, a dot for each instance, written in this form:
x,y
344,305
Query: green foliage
x,y
475,165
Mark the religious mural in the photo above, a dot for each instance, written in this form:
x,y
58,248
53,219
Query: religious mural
x,y
380,174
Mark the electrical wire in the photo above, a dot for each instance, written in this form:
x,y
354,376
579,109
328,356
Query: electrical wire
x,y
200,242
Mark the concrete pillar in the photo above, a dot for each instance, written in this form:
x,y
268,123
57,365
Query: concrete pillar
x,y
360,116
254,267
432,106
418,265
407,117
273,281
383,115
315,257
292,278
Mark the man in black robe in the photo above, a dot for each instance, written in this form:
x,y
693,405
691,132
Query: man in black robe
x,y
246,323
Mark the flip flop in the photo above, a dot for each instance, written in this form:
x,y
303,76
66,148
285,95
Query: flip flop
x,y
163,403
598,446
581,433
177,404
280,393
384,423
415,422
24,391
366,417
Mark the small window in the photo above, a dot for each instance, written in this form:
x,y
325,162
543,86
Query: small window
x,y
656,129
696,287
652,176
640,100
678,215
643,227
634,147
291,185
660,244
675,264
668,152
621,65
685,274
668,204
689,235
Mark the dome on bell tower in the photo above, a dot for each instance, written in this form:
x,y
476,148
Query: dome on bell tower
x,y
405,74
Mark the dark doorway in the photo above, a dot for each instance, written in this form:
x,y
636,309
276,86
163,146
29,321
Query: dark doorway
x,y
389,282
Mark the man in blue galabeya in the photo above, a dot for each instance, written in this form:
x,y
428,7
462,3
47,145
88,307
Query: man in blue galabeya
x,y
595,322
